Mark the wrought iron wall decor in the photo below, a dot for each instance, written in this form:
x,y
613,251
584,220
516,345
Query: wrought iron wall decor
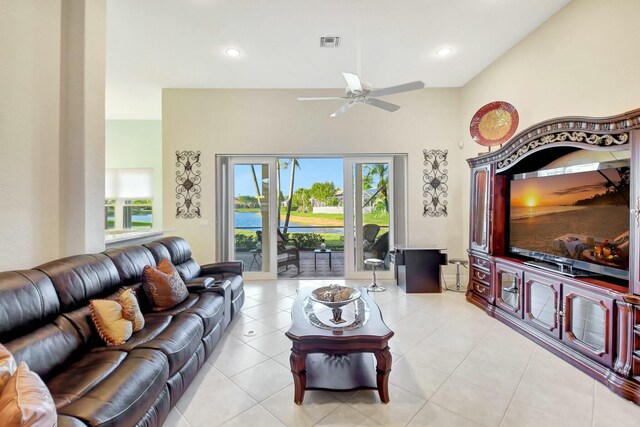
x,y
188,188
435,186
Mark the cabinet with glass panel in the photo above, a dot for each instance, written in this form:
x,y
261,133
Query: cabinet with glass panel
x,y
509,288
563,309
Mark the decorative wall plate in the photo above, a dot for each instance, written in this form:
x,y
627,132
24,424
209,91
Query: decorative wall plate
x,y
494,123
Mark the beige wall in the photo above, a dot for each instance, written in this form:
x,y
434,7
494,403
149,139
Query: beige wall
x,y
274,122
31,135
137,144
582,62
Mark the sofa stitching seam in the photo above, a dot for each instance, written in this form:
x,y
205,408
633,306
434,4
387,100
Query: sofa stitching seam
x,y
42,313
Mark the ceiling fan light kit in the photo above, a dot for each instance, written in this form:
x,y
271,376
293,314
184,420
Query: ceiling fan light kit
x,y
359,92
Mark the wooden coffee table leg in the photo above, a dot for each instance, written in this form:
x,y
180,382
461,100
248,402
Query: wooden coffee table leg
x,y
298,361
383,369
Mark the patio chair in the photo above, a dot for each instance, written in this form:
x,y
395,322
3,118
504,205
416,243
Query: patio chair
x,y
369,233
288,242
288,256
379,249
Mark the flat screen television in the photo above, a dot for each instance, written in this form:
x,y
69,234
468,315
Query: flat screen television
x,y
575,217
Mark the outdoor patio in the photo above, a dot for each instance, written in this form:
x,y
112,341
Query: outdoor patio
x,y
308,268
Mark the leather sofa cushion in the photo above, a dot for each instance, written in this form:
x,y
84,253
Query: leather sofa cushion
x,y
158,250
181,257
28,301
158,412
49,348
178,341
189,269
84,375
123,396
130,262
79,278
178,248
210,308
175,336
207,305
26,401
154,325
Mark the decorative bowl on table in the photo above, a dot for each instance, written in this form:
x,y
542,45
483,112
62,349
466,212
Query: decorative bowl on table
x,y
334,297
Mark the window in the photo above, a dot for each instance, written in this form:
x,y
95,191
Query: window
x,y
109,214
129,199
138,214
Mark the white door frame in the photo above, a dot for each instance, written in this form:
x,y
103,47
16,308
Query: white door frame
x,y
350,271
272,257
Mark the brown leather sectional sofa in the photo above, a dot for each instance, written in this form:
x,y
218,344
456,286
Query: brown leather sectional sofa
x,y
45,321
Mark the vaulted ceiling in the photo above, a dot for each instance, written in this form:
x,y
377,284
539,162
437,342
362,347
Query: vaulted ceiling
x,y
155,44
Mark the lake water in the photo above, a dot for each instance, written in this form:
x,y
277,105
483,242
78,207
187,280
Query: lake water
x,y
253,221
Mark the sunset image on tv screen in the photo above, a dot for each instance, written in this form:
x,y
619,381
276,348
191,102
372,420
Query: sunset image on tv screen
x,y
573,215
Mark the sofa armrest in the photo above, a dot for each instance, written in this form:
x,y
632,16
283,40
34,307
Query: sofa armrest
x,y
200,283
224,289
234,267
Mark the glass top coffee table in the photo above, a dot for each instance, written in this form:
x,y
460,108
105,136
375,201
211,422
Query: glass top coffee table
x,y
348,356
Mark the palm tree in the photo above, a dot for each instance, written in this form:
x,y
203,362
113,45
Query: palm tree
x,y
380,171
294,164
256,185
280,164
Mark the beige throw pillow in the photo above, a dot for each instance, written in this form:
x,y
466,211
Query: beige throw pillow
x,y
7,366
131,309
163,286
26,401
112,327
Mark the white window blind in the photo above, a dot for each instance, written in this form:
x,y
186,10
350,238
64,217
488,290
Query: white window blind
x,y
127,184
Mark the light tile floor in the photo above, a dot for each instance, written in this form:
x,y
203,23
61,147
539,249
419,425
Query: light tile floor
x,y
452,366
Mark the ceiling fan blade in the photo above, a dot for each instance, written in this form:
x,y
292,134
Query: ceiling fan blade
x,y
322,98
353,81
397,89
342,109
382,104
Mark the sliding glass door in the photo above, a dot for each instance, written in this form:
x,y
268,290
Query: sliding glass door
x,y
300,234
253,215
369,215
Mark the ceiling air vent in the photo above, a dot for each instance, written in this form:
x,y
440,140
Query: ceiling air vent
x,y
329,41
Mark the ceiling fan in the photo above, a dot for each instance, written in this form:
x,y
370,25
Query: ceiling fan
x,y
358,92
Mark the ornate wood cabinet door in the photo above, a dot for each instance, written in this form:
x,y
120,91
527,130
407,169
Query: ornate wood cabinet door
x,y
541,303
480,191
587,320
508,282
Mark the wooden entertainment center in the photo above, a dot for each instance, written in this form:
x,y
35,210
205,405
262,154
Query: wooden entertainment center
x,y
593,323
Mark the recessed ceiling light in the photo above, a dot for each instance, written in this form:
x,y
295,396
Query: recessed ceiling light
x,y
444,51
233,52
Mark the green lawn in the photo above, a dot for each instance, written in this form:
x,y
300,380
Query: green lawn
x,y
380,219
368,218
